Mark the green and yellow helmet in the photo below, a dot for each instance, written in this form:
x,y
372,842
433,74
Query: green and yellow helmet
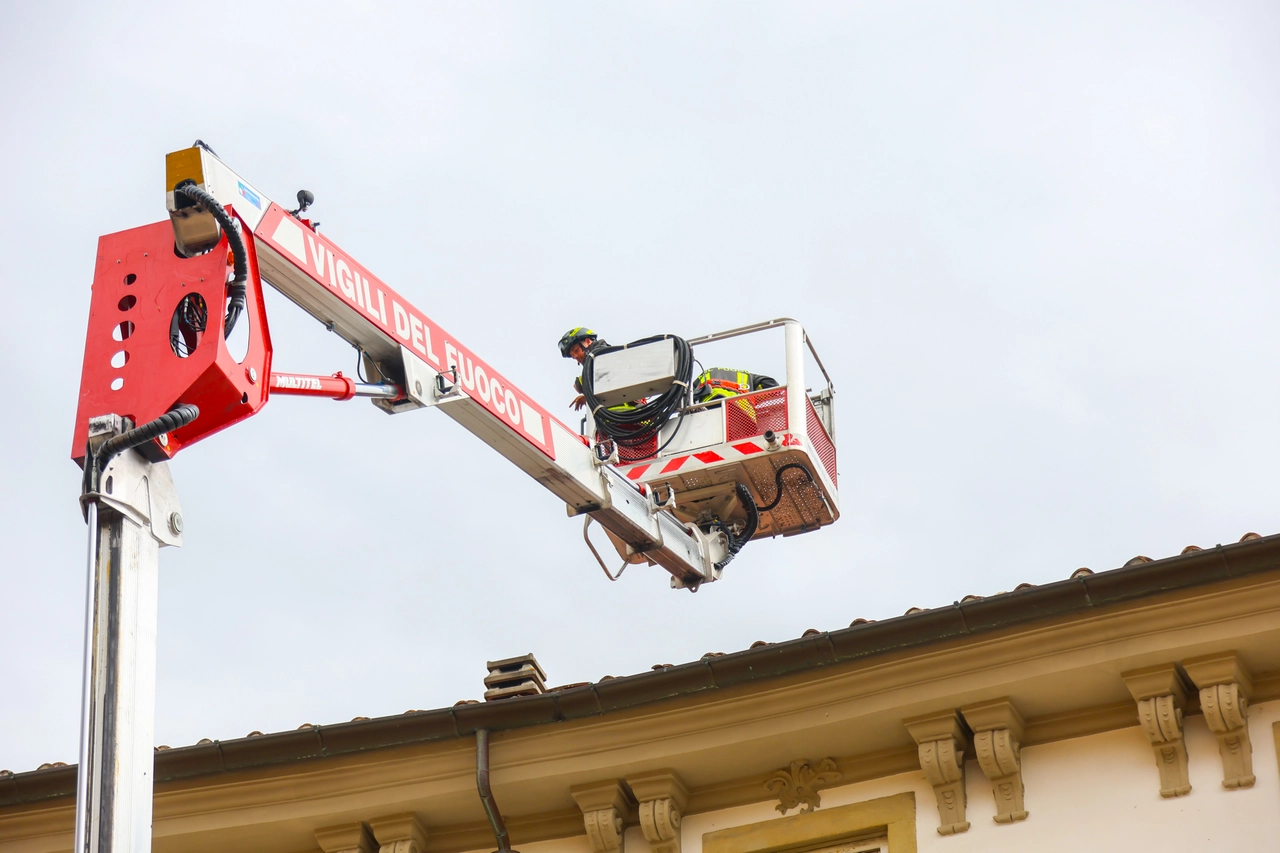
x,y
576,335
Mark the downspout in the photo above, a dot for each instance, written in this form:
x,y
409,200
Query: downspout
x,y
486,794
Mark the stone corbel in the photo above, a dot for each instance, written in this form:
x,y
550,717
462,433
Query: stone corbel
x,y
997,738
606,808
1225,687
662,797
943,740
1161,695
402,833
346,838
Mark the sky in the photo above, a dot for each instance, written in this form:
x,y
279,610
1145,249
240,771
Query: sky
x,y
1035,245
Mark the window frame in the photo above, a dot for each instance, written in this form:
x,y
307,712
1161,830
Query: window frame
x,y
893,816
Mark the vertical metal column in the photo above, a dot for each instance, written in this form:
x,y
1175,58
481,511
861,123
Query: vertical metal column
x,y
793,341
132,513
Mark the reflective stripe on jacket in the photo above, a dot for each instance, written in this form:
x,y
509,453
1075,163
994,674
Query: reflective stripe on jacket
x,y
720,382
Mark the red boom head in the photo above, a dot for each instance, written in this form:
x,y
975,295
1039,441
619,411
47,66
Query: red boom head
x,y
155,338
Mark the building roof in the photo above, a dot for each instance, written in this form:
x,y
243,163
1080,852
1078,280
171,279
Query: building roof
x,y
864,640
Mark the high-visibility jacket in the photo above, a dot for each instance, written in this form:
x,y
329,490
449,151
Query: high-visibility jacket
x,y
723,383
719,382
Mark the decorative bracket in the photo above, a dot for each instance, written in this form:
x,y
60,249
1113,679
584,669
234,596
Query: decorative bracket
x,y
402,833
1161,695
662,797
606,808
1225,687
943,741
997,736
797,787
346,838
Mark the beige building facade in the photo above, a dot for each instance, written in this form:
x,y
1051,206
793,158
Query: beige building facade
x,y
1138,707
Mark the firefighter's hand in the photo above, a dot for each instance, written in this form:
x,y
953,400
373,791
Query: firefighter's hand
x,y
578,402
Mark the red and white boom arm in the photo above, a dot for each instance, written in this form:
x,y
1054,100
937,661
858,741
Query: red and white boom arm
x,y
433,368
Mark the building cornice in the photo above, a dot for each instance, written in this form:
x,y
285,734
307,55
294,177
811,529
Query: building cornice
x,y
835,687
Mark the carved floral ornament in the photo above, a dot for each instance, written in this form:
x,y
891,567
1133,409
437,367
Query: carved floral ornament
x,y
797,786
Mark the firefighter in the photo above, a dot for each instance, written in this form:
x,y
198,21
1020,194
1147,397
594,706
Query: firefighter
x,y
574,344
721,382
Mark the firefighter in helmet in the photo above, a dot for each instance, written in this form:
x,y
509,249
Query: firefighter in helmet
x,y
574,344
721,383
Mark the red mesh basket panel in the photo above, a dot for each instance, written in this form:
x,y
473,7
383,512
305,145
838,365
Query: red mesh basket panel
x,y
821,441
750,415
627,455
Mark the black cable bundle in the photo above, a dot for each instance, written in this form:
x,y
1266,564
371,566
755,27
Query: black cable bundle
x,y
632,427
753,522
240,258
94,463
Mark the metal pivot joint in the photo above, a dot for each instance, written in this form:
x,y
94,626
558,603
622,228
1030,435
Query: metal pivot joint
x,y
132,510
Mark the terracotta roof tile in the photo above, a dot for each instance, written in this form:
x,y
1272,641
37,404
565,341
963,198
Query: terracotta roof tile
x,y
971,599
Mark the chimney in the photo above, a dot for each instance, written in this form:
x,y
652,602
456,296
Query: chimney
x,y
518,676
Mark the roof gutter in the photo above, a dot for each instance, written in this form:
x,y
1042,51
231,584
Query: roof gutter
x,y
858,642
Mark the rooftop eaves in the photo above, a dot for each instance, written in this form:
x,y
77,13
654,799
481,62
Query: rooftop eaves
x,y
1082,593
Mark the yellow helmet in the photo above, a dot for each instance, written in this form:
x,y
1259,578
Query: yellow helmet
x,y
576,335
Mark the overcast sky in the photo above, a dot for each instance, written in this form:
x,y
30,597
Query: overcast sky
x,y
1035,244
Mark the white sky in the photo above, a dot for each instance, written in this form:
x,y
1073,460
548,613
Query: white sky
x,y
1036,245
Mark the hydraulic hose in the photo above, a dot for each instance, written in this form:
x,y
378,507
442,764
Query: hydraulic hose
x,y
777,482
635,425
236,290
737,542
178,416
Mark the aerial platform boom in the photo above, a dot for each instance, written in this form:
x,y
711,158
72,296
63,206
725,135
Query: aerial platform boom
x,y
684,494
411,361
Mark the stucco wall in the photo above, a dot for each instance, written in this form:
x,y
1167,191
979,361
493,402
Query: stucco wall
x,y
1101,790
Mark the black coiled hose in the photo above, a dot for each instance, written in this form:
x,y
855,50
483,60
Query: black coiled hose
x,y
753,511
179,416
777,482
633,426
240,257
753,521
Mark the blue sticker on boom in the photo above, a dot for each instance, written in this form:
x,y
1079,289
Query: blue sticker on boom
x,y
250,195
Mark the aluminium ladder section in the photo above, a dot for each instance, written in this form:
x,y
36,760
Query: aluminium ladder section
x,y
134,514
367,313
